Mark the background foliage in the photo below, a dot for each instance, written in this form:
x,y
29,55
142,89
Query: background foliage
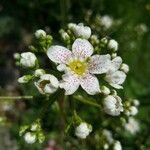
x,y
20,18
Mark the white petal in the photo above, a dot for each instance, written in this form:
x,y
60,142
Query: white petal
x,y
99,64
116,86
70,83
58,54
82,48
117,77
115,64
90,84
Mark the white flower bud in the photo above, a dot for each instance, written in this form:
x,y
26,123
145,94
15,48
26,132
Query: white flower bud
x,y
106,21
132,126
104,40
133,110
47,84
124,68
17,56
30,138
39,72
81,31
105,90
113,105
136,102
83,130
71,25
113,45
40,33
25,79
28,59
117,146
65,36
114,55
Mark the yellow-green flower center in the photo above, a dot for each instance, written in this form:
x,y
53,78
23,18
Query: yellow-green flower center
x,y
78,66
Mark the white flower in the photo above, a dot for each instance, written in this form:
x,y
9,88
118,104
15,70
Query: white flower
x,y
114,76
39,72
28,59
106,21
47,84
79,66
117,146
108,136
132,126
136,102
39,33
113,105
105,90
24,79
83,130
30,138
81,31
113,45
133,110
124,68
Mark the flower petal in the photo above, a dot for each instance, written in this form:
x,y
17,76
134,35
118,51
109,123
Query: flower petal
x,y
117,77
90,84
115,64
70,83
58,54
99,64
82,48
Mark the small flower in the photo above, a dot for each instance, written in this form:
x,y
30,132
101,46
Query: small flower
x,y
25,79
30,138
114,76
83,130
113,45
28,59
124,68
39,72
132,126
105,90
47,84
81,31
117,146
79,66
106,21
136,102
133,110
108,136
17,56
113,105
40,33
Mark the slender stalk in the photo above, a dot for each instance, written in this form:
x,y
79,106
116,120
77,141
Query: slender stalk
x,y
79,98
15,97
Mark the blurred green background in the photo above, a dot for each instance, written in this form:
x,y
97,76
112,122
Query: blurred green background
x,y
20,18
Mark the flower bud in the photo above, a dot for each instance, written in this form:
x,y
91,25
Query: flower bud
x,y
28,59
136,102
105,90
83,130
17,56
30,138
133,110
25,79
39,72
113,105
40,33
124,68
113,45
117,146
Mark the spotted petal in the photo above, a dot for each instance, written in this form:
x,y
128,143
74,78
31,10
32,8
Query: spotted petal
x,y
115,78
99,64
58,54
70,83
90,84
82,48
115,64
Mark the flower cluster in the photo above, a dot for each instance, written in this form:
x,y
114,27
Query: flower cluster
x,y
87,61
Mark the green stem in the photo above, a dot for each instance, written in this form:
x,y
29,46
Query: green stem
x,y
81,99
15,97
